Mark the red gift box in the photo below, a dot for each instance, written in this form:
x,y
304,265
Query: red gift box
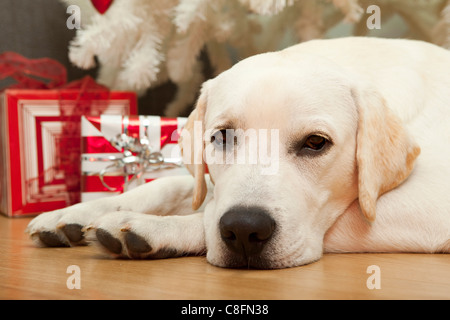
x,y
33,144
122,152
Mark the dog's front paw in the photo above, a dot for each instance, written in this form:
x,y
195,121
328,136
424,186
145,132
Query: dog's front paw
x,y
44,232
60,228
140,236
132,245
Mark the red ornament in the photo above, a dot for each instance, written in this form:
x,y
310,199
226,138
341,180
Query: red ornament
x,y
101,5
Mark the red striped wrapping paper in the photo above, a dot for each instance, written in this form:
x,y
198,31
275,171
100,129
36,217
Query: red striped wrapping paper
x,y
31,131
98,136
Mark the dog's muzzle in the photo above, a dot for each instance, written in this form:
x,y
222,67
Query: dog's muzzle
x,y
246,230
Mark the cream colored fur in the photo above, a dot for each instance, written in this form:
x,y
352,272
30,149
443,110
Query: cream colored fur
x,y
382,186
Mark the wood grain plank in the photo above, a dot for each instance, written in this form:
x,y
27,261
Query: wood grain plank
x,y
27,272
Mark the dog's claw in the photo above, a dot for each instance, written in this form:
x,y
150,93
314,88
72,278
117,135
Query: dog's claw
x,y
125,228
87,228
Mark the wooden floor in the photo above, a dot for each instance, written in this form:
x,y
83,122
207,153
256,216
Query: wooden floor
x,y
27,272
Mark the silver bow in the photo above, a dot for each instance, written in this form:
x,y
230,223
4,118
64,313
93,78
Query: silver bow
x,y
136,165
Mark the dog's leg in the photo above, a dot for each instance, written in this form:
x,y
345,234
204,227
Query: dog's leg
x,y
164,196
140,236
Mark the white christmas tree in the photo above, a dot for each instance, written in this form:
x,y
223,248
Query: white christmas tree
x,y
142,43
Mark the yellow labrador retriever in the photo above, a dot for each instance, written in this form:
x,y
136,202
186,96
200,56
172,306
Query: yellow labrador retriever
x,y
352,154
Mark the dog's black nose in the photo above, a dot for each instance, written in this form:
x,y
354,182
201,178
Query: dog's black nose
x,y
245,230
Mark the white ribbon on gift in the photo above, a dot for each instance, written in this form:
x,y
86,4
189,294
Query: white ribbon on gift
x,y
136,159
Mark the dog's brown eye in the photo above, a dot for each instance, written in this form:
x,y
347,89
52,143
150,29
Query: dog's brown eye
x,y
219,139
315,142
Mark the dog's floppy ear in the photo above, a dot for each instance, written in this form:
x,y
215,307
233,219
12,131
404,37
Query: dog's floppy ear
x,y
192,146
385,152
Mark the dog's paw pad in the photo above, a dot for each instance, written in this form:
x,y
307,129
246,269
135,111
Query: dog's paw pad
x,y
136,243
110,243
74,233
51,239
138,248
165,253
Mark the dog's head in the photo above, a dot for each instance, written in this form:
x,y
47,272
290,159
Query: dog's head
x,y
289,143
